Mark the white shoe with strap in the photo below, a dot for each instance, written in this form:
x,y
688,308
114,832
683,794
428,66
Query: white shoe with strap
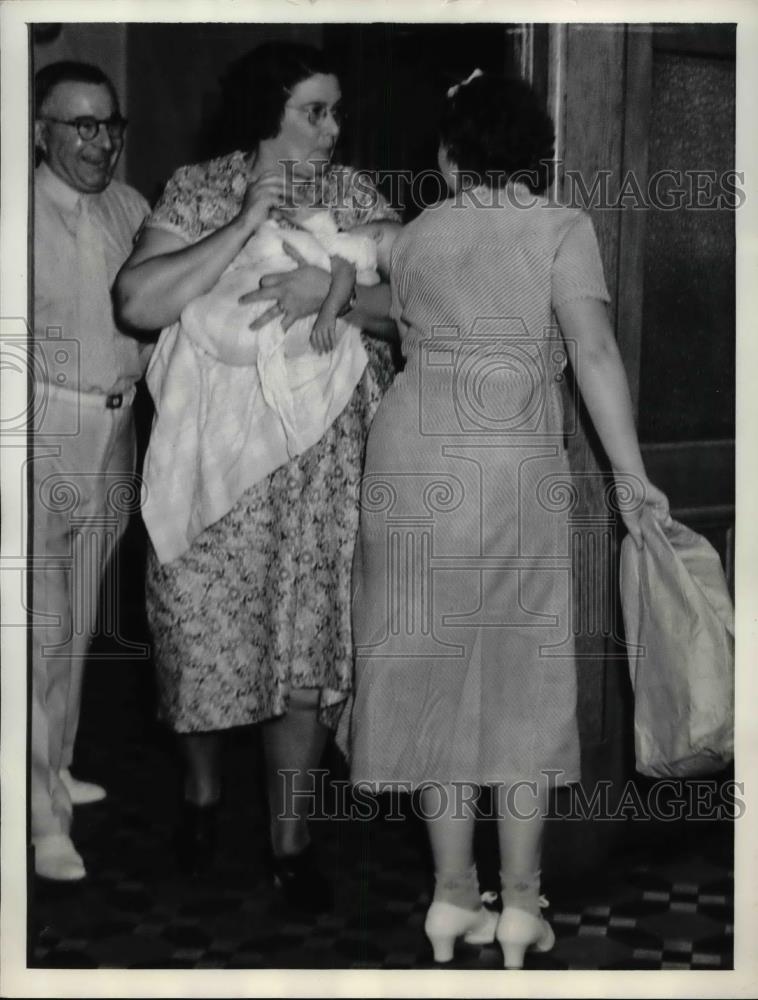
x,y
81,793
55,857
445,922
519,931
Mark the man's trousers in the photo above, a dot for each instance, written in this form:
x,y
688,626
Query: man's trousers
x,y
83,492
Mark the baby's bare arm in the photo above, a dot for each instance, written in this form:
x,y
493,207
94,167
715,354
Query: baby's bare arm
x,y
341,287
324,333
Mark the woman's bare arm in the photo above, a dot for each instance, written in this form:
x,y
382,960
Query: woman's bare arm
x,y
371,311
163,273
300,293
602,380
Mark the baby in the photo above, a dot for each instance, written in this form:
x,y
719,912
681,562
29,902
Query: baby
x,y
233,404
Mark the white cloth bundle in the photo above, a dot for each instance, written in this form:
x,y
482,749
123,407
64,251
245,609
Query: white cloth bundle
x,y
233,405
679,623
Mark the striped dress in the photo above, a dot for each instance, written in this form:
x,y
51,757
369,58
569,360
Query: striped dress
x,y
462,579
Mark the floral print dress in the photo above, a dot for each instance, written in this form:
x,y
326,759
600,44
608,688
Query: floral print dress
x,y
260,603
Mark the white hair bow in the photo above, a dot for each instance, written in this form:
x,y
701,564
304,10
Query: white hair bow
x,y
454,90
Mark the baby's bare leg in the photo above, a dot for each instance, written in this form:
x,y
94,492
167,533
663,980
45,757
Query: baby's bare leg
x,y
324,333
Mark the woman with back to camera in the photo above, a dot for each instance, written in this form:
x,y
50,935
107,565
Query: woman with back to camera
x,y
465,675
252,622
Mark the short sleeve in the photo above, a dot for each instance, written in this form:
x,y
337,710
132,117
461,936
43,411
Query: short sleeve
x,y
577,268
140,212
177,209
126,210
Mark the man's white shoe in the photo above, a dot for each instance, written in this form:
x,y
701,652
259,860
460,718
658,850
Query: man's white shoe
x,y
81,792
56,857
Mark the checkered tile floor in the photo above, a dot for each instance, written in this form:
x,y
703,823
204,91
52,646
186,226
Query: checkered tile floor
x,y
665,905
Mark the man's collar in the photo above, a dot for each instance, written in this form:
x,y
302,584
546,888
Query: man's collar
x,y
61,194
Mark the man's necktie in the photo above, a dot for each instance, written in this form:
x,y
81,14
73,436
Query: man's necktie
x,y
97,354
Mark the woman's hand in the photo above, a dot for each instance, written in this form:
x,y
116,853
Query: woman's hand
x,y
164,273
273,189
634,496
295,293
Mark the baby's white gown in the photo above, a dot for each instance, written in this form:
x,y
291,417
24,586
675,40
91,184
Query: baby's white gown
x,y
232,405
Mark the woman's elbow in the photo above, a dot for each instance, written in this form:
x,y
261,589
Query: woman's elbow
x,y
129,304
601,356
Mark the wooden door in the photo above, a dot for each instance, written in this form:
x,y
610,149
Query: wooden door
x,y
677,264
633,103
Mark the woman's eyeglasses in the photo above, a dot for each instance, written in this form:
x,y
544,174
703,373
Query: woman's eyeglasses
x,y
317,111
89,128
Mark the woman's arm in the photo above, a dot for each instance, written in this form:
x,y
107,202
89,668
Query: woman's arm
x,y
163,274
602,380
300,293
371,311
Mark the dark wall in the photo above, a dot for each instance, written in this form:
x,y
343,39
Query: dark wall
x,y
172,82
687,369
393,78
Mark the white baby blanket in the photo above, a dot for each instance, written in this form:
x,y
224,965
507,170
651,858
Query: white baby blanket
x,y
233,405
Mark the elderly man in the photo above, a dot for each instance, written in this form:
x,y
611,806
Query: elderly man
x,y
83,467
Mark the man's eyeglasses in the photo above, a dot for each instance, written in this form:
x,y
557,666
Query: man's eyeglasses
x,y
89,128
317,111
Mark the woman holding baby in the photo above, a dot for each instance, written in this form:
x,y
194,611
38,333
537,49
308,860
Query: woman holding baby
x,y
464,676
252,622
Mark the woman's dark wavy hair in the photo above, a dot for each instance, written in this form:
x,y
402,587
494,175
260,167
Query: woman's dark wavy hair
x,y
495,127
255,89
